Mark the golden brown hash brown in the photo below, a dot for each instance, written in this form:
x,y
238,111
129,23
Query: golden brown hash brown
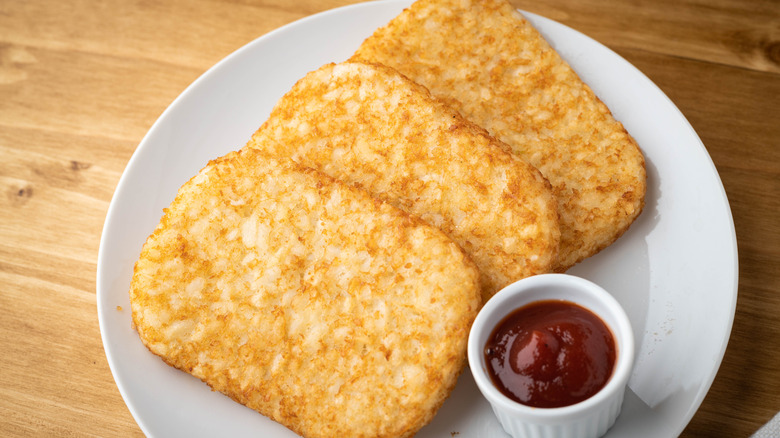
x,y
487,61
306,299
370,126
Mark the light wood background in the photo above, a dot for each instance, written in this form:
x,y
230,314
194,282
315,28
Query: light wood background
x,y
81,81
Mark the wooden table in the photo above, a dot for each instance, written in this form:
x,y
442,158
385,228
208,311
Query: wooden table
x,y
82,81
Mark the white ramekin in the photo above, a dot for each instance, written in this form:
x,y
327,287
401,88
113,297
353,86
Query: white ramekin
x,y
590,418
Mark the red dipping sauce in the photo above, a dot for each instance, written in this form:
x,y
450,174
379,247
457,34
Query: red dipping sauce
x,y
550,354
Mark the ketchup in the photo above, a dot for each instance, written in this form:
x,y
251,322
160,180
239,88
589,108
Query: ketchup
x,y
550,354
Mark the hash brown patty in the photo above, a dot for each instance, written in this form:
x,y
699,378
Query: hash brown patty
x,y
487,61
370,126
331,312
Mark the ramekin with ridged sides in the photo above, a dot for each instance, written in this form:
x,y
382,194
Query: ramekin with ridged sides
x,y
590,418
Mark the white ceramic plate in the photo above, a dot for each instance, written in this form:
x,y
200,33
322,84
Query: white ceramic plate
x,y
674,271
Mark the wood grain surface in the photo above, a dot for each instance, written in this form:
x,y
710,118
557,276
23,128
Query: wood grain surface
x,y
81,81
